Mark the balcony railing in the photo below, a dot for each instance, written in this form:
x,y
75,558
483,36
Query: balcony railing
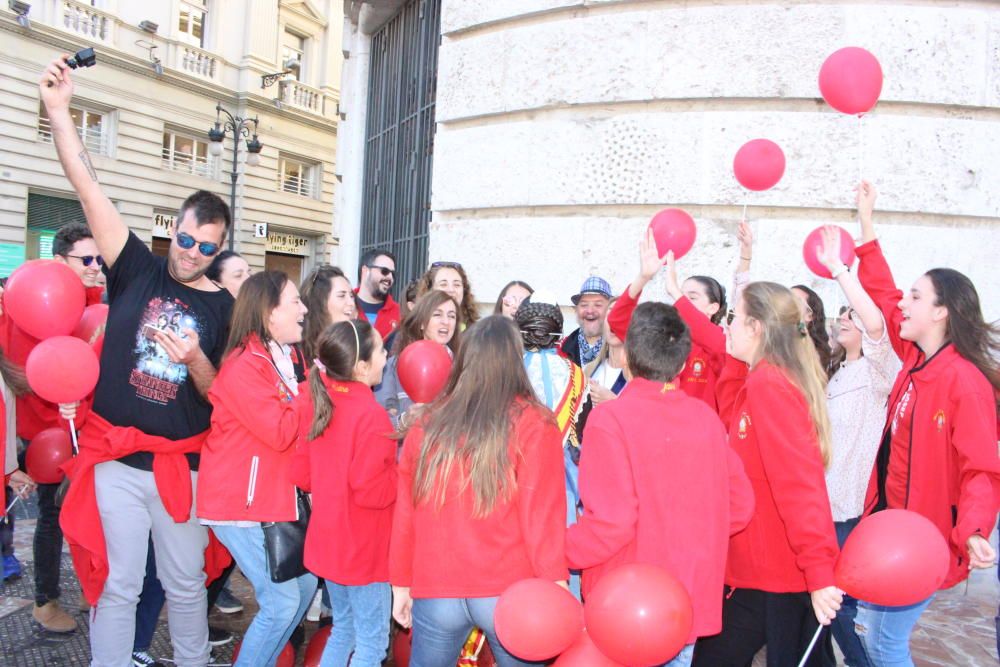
x,y
87,21
301,96
196,62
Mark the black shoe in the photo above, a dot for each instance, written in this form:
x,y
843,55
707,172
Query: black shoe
x,y
219,636
143,659
228,603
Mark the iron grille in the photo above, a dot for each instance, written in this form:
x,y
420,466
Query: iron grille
x,y
399,137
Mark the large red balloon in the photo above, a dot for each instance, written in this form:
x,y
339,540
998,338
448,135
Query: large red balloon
x,y
62,369
814,242
45,298
48,450
850,80
314,652
285,659
639,614
893,558
537,619
583,653
759,164
673,229
401,646
91,326
423,370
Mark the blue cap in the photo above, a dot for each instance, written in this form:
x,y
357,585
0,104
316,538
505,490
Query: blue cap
x,y
593,285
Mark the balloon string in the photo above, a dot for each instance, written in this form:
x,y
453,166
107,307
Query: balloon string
x,y
861,148
809,649
744,218
72,434
6,513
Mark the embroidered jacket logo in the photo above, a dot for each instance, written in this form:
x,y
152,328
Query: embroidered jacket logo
x,y
939,420
743,426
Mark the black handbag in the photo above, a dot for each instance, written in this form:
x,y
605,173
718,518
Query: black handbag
x,y
285,542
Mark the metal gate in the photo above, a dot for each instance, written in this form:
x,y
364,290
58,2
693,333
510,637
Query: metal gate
x,y
399,137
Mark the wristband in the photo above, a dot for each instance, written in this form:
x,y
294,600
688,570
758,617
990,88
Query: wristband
x,y
836,272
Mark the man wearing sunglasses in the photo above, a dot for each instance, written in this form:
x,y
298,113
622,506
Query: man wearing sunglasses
x,y
376,275
139,450
74,246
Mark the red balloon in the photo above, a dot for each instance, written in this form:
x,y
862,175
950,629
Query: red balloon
x,y
814,242
537,619
48,450
401,646
91,326
314,652
893,558
850,80
673,229
45,298
62,369
639,614
423,369
759,164
285,659
583,653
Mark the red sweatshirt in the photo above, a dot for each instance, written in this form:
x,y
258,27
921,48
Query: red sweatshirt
x,y
244,473
708,345
351,471
387,319
660,485
80,519
445,552
789,545
941,456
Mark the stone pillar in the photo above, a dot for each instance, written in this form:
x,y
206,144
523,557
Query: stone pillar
x,y
563,129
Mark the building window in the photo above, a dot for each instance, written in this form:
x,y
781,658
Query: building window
x,y
191,23
46,214
187,154
293,48
92,126
297,177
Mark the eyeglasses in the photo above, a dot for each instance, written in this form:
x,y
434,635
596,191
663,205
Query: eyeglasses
x,y
730,316
186,242
386,271
855,318
87,260
446,265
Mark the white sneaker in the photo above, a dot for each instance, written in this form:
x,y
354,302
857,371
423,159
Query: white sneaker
x,y
314,608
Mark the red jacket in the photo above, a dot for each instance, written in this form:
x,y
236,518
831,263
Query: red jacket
x,y
244,473
351,471
35,414
708,345
948,434
443,551
660,485
80,518
789,545
387,319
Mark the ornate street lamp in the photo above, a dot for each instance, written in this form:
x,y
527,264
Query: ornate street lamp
x,y
238,128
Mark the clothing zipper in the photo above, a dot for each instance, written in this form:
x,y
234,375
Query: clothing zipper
x,y
909,454
252,486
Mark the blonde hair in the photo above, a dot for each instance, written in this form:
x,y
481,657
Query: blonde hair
x,y
785,342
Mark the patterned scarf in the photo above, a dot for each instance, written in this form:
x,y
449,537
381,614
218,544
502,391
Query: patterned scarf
x,y
588,352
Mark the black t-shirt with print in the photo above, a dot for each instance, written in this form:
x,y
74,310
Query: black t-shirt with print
x,y
139,386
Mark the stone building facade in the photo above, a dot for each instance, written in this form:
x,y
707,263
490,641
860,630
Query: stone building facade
x,y
146,108
564,125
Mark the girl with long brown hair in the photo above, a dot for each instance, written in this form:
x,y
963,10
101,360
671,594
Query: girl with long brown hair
x,y
779,572
481,502
451,278
434,318
347,458
328,295
938,453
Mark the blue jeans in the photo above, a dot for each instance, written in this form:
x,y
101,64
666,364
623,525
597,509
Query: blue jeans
x,y
441,626
281,605
572,502
360,624
843,625
885,632
682,659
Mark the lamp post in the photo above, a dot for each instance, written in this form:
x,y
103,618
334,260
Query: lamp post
x,y
238,127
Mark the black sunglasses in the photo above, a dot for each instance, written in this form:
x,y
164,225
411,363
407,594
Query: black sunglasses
x,y
386,271
446,265
87,260
186,241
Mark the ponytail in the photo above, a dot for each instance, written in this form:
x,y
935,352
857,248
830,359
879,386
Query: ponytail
x,y
322,405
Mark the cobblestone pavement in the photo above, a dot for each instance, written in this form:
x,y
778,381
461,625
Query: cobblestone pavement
x,y
957,630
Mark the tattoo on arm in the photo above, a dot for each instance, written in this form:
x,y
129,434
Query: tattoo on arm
x,y
85,159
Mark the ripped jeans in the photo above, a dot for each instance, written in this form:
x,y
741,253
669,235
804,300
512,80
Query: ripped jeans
x,y
885,632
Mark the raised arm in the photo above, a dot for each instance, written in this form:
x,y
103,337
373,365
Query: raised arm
x,y
649,264
106,224
829,256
